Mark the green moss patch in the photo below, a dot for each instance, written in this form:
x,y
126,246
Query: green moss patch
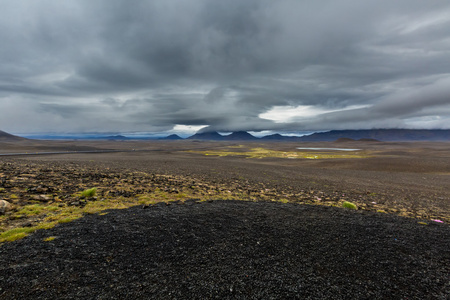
x,y
263,153
349,205
89,193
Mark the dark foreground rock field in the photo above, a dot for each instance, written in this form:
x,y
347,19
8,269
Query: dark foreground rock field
x,y
230,250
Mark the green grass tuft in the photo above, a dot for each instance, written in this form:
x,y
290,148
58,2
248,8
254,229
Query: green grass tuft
x,y
31,210
349,205
89,193
15,234
68,219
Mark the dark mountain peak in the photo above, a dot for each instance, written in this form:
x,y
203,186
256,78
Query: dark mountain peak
x,y
240,135
209,135
172,137
277,137
4,136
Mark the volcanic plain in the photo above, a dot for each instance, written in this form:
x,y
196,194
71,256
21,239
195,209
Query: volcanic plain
x,y
47,185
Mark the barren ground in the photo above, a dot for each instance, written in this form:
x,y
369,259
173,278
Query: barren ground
x,y
384,180
408,179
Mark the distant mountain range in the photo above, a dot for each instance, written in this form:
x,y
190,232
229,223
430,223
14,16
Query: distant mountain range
x,y
333,135
215,136
386,135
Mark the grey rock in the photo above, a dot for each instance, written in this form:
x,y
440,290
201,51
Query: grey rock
x,y
5,206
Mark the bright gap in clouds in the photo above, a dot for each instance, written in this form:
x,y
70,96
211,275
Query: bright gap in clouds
x,y
183,130
285,114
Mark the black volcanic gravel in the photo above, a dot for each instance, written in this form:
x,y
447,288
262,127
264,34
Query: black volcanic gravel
x,y
231,250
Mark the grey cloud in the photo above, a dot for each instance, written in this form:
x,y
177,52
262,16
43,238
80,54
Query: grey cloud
x,y
153,64
416,99
391,111
217,108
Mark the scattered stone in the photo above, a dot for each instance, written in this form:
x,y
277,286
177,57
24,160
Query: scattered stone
x,y
5,206
27,224
40,189
43,198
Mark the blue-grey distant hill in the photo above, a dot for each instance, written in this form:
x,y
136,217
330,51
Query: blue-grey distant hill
x,y
115,138
6,137
387,135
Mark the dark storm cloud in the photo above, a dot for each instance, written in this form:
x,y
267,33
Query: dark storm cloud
x,y
230,65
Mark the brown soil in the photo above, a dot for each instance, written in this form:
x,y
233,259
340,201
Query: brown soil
x,y
408,179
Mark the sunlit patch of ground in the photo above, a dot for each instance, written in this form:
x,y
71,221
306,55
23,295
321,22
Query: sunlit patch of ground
x,y
266,153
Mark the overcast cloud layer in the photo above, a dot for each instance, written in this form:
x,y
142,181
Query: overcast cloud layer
x,y
166,65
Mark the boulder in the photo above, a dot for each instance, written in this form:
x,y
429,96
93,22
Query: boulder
x,y
43,198
4,206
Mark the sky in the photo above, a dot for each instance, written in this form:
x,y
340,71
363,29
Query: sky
x,y
177,66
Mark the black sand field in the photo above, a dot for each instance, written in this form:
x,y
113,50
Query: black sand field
x,y
231,249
